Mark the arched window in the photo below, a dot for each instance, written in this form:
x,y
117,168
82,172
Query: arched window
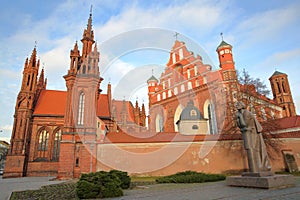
x,y
159,123
196,70
42,146
180,54
175,90
169,93
43,141
164,95
283,87
56,145
209,113
158,97
263,112
190,85
174,58
81,109
83,69
182,88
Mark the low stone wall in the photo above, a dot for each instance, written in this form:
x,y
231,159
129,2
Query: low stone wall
x,y
165,158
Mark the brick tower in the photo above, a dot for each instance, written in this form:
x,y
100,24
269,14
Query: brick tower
x,y
282,93
17,158
230,83
83,83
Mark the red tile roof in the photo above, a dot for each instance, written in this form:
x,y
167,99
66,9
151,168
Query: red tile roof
x,y
51,102
289,122
118,105
103,106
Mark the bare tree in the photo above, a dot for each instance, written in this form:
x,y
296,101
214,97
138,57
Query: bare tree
x,y
253,92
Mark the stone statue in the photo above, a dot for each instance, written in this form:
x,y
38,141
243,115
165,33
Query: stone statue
x,y
251,129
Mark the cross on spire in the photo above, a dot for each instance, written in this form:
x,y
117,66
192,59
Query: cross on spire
x,y
91,9
176,35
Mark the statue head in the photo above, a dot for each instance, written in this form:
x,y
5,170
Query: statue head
x,y
240,105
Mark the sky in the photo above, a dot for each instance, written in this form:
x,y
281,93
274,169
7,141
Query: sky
x,y
134,38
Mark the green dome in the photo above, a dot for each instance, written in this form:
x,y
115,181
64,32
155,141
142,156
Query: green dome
x,y
190,112
223,44
277,73
152,78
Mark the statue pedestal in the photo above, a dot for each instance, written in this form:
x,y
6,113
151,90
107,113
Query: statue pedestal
x,y
265,180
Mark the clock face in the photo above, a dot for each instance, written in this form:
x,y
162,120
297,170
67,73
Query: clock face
x,y
226,51
222,52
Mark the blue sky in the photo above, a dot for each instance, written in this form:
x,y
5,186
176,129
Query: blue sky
x,y
264,36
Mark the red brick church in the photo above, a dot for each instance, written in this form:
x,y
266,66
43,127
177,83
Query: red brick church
x,y
62,133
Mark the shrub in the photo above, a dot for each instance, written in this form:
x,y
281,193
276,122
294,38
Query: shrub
x,y
87,190
190,177
102,184
124,178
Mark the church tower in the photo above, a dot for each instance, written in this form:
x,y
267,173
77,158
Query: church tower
x,y
20,142
282,93
83,83
229,82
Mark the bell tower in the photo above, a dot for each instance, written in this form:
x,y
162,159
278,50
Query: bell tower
x,y
229,82
80,126
282,93
19,150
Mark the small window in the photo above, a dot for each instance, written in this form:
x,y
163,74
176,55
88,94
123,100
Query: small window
x,y
174,57
195,127
77,162
158,97
164,95
180,54
182,88
175,90
169,93
193,113
190,85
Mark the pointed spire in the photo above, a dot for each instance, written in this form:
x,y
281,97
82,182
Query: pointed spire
x,y
75,46
26,63
95,48
89,31
32,61
41,78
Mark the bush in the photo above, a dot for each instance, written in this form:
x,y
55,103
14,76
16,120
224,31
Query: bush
x,y
124,178
102,184
190,177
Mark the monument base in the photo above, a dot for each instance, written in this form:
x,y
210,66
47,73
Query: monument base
x,y
265,182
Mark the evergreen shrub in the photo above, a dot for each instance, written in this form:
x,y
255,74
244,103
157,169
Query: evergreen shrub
x,y
102,184
190,177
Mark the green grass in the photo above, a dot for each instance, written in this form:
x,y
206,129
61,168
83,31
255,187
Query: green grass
x,y
190,177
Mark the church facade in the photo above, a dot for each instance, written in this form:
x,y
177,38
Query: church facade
x,y
63,133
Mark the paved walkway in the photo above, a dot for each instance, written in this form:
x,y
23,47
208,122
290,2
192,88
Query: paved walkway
x,y
216,190
8,185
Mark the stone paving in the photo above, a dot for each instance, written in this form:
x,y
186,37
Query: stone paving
x,y
216,190
8,185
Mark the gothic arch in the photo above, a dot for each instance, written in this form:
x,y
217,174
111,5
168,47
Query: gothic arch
x,y
42,144
159,123
209,113
177,116
56,139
